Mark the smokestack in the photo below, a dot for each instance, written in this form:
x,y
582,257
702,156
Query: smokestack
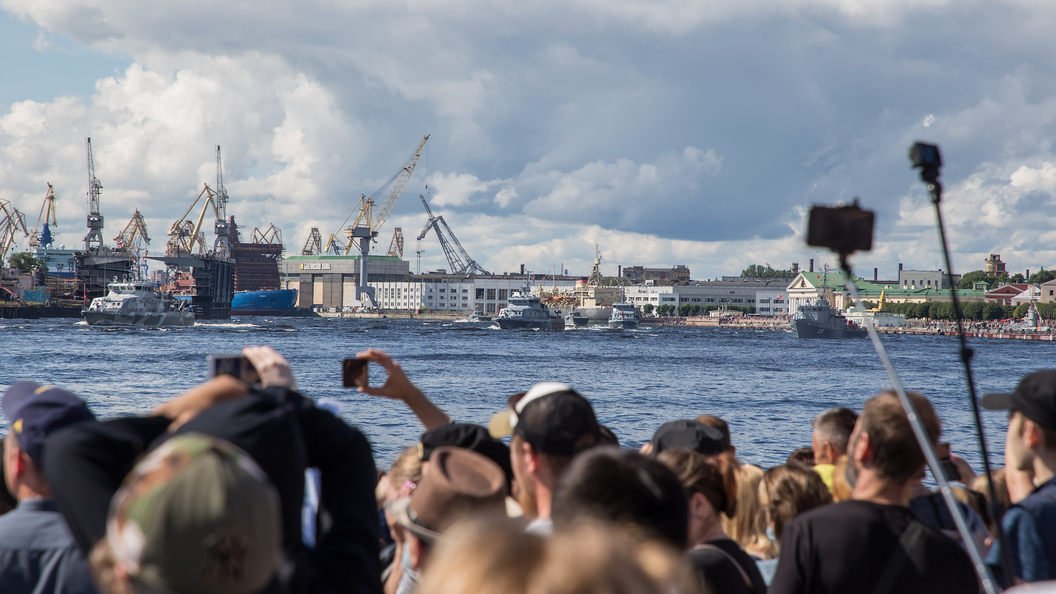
x,y
811,265
876,274
900,267
619,272
1028,274
795,268
522,269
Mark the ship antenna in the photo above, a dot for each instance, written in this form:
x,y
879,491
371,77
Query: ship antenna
x,y
847,229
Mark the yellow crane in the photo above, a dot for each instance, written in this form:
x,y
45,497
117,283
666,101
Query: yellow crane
x,y
185,236
134,235
47,213
366,217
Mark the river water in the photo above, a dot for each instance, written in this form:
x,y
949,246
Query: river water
x,y
768,385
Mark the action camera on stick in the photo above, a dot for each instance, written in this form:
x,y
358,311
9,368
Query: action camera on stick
x,y
843,229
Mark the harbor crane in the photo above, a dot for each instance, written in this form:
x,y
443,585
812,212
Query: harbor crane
x,y
11,219
367,221
94,240
271,235
396,245
47,213
221,245
186,236
457,257
314,245
365,228
133,236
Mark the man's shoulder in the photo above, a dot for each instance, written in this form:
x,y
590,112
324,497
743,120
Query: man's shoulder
x,y
24,528
844,510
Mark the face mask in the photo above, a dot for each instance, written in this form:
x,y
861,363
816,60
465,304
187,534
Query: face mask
x,y
410,578
770,533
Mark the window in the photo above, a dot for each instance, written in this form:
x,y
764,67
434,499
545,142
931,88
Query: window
x,y
733,292
465,290
737,300
696,299
749,300
491,294
764,301
709,300
502,294
442,290
779,300
480,293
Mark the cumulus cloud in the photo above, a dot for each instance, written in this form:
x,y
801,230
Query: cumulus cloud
x,y
695,131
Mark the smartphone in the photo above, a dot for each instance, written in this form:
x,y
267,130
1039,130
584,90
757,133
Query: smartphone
x,y
942,451
235,365
354,373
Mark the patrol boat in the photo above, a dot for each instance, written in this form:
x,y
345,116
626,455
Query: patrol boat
x,y
136,303
623,316
819,320
574,319
524,311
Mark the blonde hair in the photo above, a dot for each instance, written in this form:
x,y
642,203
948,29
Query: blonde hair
x,y
496,556
406,467
748,525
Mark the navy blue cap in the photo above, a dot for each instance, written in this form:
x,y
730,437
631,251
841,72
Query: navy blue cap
x,y
35,411
691,435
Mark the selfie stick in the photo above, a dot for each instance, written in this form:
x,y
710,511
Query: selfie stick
x,y
928,159
989,586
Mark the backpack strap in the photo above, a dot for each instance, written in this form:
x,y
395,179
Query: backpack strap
x,y
729,557
908,543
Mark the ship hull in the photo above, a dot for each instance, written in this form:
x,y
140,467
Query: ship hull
x,y
170,318
813,329
510,324
279,302
577,321
595,314
623,324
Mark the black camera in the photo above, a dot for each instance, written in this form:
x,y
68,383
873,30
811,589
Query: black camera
x,y
843,229
926,157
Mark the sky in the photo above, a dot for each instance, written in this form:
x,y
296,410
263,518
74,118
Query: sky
x,y
665,131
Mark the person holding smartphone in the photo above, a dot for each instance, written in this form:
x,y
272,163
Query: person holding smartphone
x,y
281,430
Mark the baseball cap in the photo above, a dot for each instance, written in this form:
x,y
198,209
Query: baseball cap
x,y
35,411
197,515
552,417
1035,397
689,434
471,437
455,482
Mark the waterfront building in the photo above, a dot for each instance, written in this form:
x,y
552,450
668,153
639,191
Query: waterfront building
x,y
735,292
1003,294
994,265
641,274
808,286
925,279
1032,294
1047,290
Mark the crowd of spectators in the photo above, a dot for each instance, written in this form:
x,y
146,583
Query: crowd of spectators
x,y
244,485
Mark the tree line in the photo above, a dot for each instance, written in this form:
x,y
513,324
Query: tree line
x,y
972,310
690,309
993,280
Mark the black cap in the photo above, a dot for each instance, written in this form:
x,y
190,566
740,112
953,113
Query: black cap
x,y
1035,397
688,434
471,437
35,411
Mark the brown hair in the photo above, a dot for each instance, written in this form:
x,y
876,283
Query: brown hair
x,y
897,456
713,477
720,424
841,489
792,489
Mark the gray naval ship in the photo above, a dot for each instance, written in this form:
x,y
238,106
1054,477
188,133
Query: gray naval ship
x,y
525,311
135,303
623,316
819,320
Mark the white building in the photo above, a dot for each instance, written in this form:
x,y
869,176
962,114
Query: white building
x,y
738,292
485,295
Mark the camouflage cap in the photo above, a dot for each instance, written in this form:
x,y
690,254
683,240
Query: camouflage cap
x,y
197,515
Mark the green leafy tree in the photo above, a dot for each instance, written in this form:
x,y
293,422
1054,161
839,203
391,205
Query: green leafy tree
x,y
973,310
647,309
921,310
1021,311
969,279
992,311
764,271
1042,276
1017,278
25,262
